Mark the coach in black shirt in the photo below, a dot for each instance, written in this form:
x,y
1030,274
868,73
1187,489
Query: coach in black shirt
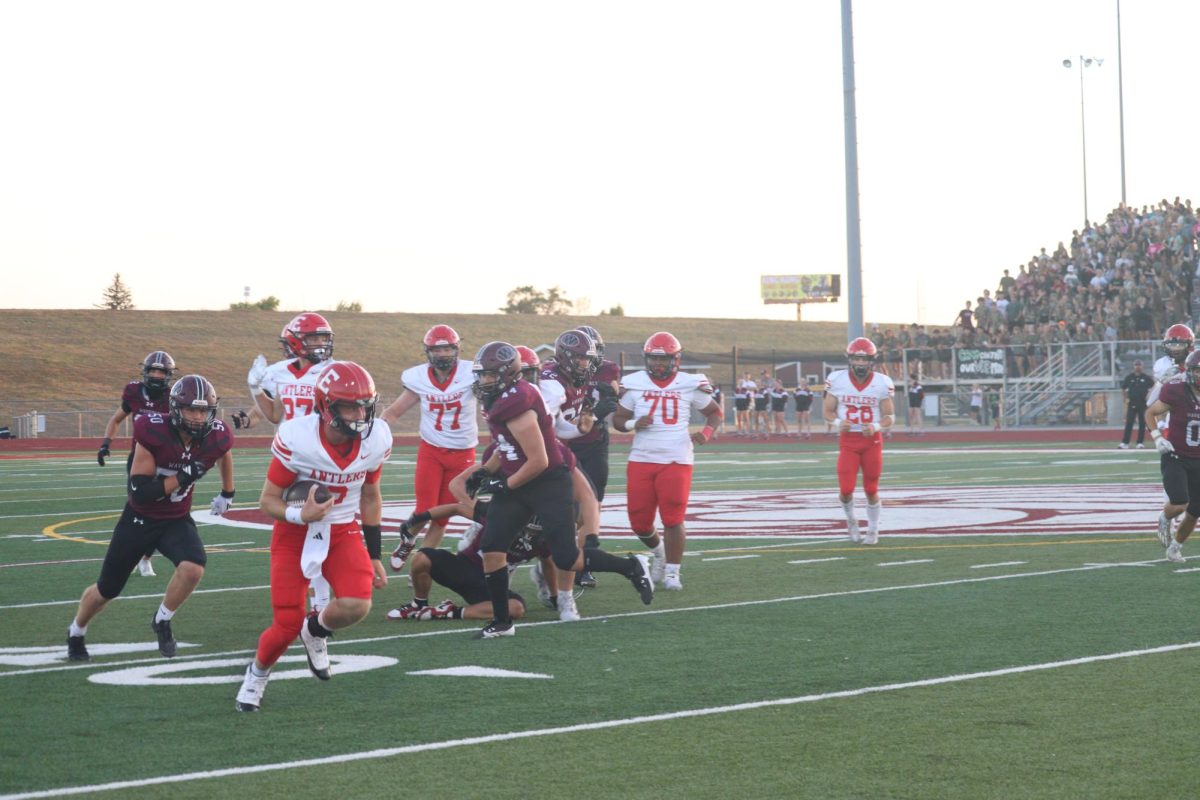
x,y
1135,387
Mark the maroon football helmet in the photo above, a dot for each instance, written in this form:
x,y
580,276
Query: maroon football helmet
x,y
345,383
193,391
499,359
597,339
575,353
160,360
308,336
442,336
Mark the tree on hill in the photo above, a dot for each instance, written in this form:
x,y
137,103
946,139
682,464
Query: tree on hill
x,y
117,296
527,300
616,311
269,303
350,308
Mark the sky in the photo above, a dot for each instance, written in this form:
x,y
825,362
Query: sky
x,y
659,155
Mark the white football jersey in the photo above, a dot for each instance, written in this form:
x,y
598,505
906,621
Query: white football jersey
x,y
447,409
555,398
293,387
858,404
667,440
300,447
1165,368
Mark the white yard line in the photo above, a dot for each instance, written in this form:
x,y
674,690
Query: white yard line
x,y
905,563
690,713
726,558
998,564
818,560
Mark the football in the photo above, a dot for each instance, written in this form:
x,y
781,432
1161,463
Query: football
x,y
297,493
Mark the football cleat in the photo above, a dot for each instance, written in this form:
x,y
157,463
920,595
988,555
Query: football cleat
x,y
494,630
411,611
567,612
1175,553
641,579
76,649
403,550
538,576
871,536
317,650
1164,530
672,583
1122,446
145,568
443,610
166,641
585,579
853,529
249,697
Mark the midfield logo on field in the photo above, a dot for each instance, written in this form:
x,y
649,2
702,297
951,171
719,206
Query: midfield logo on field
x,y
953,510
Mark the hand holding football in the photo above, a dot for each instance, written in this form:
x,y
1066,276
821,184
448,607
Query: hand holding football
x,y
297,493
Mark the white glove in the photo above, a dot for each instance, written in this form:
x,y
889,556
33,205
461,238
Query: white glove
x,y
1163,445
258,372
220,505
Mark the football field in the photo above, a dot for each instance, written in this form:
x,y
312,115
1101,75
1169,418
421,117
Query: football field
x,y
1015,633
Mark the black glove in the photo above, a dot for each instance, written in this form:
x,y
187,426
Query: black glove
x,y
103,452
476,480
495,485
189,473
607,403
241,420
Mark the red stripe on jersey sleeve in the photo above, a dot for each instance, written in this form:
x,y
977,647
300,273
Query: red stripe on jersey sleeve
x,y
280,475
375,475
281,450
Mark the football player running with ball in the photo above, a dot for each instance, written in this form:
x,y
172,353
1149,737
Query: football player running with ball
x,y
860,402
341,448
170,454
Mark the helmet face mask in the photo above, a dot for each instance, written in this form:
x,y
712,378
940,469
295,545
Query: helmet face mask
x,y
308,336
157,369
575,353
1178,341
346,398
441,347
662,354
193,393
598,340
497,367
860,354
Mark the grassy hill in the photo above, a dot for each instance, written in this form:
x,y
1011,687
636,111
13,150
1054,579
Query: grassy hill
x,y
81,358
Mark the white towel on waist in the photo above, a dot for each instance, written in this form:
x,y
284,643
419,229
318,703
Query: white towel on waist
x,y
316,548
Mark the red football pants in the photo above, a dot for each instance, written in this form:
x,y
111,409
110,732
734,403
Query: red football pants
x,y
436,467
856,452
347,567
656,487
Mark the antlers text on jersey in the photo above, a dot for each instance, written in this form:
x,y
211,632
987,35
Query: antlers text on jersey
x,y
335,478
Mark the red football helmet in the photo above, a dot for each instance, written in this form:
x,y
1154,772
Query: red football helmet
x,y
193,391
1192,367
861,354
442,336
501,360
1178,341
530,366
159,359
345,383
296,334
575,353
662,353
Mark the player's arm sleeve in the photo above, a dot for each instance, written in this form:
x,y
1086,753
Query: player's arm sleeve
x,y
280,474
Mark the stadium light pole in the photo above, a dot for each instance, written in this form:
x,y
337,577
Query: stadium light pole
x,y
1121,101
854,298
1084,63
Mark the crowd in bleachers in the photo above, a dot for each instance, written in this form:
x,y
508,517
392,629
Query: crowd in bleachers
x,y
1127,278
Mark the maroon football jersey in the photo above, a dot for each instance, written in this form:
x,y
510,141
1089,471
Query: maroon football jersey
x,y
607,373
136,400
1184,428
513,402
524,548
154,433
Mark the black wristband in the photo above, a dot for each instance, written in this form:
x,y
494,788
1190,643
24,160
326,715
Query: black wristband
x,y
373,539
228,495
